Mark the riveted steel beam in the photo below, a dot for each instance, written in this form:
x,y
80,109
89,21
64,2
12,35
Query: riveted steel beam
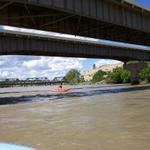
x,y
29,45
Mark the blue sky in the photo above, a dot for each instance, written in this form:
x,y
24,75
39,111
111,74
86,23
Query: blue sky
x,y
144,2
27,66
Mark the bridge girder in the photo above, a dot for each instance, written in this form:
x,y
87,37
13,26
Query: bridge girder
x,y
25,45
105,19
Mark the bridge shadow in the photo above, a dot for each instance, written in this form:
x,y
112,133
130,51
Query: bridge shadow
x,y
92,92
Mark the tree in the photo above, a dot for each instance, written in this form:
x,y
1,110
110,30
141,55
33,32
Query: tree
x,y
118,76
72,77
145,74
98,76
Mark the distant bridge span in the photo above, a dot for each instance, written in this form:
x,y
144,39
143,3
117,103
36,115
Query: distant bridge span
x,y
116,20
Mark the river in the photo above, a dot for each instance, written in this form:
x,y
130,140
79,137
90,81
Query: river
x,y
95,117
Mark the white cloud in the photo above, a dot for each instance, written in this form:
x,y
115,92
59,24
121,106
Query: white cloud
x,y
1,62
27,66
104,61
5,73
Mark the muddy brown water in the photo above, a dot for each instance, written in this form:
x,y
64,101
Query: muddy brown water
x,y
87,118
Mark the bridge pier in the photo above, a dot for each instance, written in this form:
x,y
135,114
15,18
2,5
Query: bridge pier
x,y
135,69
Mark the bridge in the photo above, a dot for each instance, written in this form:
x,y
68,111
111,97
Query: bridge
x,y
15,41
116,20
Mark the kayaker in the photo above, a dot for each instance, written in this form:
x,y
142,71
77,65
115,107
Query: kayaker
x,y
60,87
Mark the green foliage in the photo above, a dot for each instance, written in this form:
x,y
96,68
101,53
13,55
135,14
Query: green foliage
x,y
82,80
145,74
125,76
72,77
118,76
133,62
98,76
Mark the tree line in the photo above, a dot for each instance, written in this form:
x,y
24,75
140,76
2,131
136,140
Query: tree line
x,y
119,75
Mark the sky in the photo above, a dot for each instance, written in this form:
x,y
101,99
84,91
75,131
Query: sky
x,y
144,2
35,66
23,67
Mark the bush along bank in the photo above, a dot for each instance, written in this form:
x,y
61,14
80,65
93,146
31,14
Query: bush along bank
x,y
145,74
117,76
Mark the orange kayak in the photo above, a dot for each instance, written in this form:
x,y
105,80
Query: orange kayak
x,y
63,90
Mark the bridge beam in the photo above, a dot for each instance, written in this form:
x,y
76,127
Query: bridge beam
x,y
114,20
26,45
6,5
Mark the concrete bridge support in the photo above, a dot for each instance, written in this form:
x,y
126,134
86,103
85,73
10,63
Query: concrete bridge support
x,y
135,69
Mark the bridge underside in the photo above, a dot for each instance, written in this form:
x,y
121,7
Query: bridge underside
x,y
23,45
102,19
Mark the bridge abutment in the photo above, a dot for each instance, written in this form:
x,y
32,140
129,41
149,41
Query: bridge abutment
x,y
135,69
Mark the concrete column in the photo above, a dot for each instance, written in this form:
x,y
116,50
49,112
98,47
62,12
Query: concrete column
x,y
135,69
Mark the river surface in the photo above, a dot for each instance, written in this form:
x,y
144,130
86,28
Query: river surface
x,y
88,118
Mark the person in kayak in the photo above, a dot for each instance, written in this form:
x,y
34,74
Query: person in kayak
x,y
60,87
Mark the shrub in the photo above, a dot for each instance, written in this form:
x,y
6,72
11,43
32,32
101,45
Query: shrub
x,y
145,74
98,76
126,76
118,76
